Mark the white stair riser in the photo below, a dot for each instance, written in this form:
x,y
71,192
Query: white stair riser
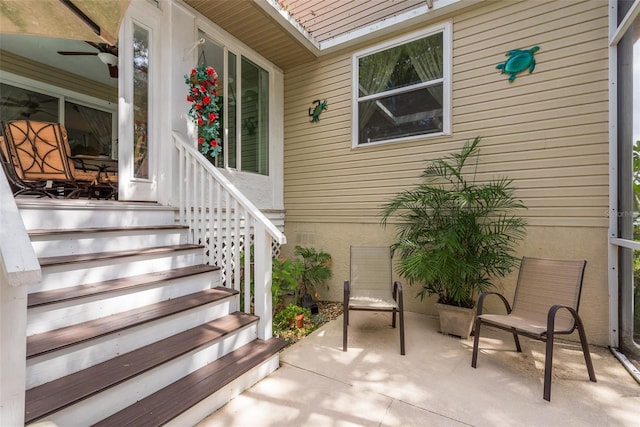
x,y
102,405
72,244
61,276
215,401
98,215
54,316
49,367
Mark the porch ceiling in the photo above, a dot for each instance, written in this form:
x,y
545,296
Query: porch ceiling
x,y
249,23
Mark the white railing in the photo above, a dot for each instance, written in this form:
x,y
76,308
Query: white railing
x,y
230,227
19,267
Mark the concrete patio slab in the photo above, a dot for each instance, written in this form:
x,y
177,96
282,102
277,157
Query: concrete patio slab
x,y
434,384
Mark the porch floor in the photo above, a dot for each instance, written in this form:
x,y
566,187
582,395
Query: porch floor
x,y
433,385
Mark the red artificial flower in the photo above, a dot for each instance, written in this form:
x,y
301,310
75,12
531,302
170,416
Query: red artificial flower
x,y
212,117
195,90
203,89
200,121
198,106
206,100
210,71
189,98
200,140
193,72
214,143
215,92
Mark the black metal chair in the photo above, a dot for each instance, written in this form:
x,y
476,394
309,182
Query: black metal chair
x,y
545,304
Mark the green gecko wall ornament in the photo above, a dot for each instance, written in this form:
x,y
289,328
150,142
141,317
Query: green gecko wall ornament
x,y
314,112
518,61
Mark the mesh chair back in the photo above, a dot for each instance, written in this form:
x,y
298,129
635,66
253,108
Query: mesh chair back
x,y
543,283
371,271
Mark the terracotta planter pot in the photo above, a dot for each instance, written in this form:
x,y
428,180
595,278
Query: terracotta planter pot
x,y
300,321
456,321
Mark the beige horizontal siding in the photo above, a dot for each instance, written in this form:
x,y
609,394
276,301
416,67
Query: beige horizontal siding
x,y
547,131
25,67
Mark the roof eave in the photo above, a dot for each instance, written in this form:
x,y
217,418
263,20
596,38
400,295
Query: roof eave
x,y
428,12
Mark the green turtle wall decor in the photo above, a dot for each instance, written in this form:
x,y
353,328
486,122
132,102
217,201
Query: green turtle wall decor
x,y
518,61
314,112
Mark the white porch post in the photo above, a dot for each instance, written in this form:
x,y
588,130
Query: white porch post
x,y
263,302
19,267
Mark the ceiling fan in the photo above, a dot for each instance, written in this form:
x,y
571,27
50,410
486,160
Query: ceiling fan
x,y
107,53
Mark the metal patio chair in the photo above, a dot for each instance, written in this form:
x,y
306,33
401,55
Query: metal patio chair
x,y
37,160
545,304
370,288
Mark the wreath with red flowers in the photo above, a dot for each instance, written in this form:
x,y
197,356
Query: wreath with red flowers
x,y
205,106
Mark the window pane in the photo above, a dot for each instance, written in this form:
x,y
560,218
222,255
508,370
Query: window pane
x,y
140,102
255,118
415,62
411,113
22,104
232,137
89,130
212,55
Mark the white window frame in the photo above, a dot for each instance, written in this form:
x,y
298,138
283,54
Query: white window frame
x,y
446,29
64,95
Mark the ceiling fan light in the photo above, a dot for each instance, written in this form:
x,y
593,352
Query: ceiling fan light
x,y
108,58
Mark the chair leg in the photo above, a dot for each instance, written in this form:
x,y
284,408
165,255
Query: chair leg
x,y
345,314
548,366
393,318
402,352
345,327
585,349
517,341
476,340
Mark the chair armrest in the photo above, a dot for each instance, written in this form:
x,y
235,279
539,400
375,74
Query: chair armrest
x,y
551,317
486,294
397,291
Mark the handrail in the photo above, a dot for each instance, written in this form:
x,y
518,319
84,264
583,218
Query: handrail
x,y
229,225
19,267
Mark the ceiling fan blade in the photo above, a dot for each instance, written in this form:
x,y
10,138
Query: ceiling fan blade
x,y
78,53
113,71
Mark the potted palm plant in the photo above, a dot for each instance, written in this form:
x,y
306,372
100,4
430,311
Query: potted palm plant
x,y
454,235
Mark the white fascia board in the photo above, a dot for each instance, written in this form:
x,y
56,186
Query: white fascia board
x,y
406,19
409,18
286,21
629,18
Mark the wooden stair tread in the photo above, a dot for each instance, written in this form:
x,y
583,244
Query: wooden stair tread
x,y
55,395
168,403
66,259
53,232
74,292
70,335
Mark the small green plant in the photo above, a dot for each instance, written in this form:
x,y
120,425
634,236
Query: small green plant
x,y
316,269
284,320
285,277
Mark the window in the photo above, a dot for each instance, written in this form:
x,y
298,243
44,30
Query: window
x,y
243,88
140,102
627,220
90,130
401,89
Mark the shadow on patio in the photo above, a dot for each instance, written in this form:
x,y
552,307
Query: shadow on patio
x,y
434,384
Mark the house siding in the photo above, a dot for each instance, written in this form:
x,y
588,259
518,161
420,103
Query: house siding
x,y
548,131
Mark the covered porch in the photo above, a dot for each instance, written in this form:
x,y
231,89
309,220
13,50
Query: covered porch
x,y
434,384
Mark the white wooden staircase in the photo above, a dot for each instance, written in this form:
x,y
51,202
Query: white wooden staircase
x,y
128,325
